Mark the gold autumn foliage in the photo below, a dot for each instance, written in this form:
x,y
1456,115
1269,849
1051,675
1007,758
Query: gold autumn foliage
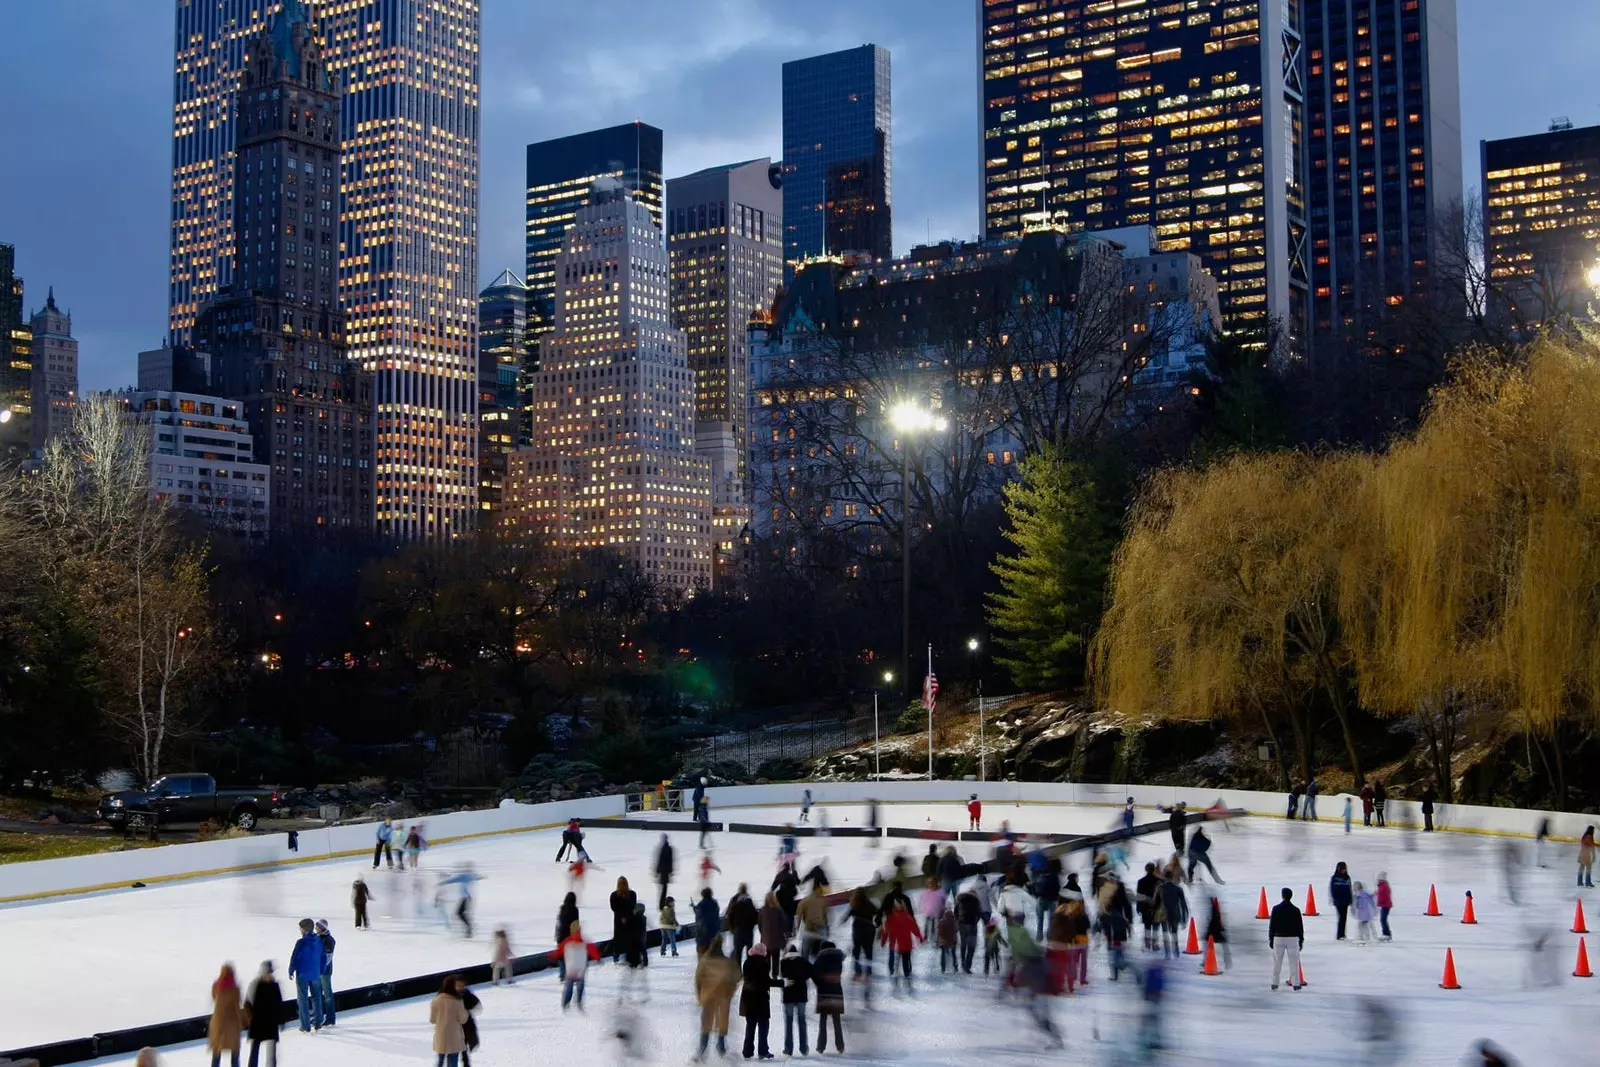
x,y
1461,568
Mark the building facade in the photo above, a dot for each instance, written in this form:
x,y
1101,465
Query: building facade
x,y
16,362
202,459
612,466
275,335
1186,117
1541,223
838,155
54,389
1383,111
503,361
561,173
725,246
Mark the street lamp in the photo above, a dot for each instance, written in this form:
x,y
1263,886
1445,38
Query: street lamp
x,y
908,418
973,646
877,757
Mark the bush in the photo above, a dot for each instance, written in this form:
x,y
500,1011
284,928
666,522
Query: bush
x,y
781,770
913,720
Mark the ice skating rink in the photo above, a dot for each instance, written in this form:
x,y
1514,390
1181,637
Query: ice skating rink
x,y
150,955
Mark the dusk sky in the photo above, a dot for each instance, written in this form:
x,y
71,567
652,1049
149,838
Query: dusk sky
x,y
86,110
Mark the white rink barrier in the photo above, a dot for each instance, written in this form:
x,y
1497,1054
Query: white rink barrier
x,y
118,870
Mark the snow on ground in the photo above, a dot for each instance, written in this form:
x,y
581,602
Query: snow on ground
x,y
152,954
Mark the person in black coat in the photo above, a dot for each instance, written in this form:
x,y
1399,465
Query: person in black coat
x,y
1177,822
1174,913
950,870
1147,895
787,886
1286,936
707,920
1339,891
969,916
1380,801
930,863
796,972
827,972
1200,852
755,1005
743,917
1428,797
264,1000
664,867
864,921
623,903
469,1030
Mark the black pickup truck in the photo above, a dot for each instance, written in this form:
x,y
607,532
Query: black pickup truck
x,y
186,798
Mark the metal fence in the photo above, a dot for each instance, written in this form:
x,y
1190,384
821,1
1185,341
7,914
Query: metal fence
x,y
784,741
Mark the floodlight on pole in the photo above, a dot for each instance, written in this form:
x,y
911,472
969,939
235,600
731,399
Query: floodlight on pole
x,y
909,418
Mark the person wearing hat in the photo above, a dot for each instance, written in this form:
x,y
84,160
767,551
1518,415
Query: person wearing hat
x,y
974,812
755,1005
328,944
305,970
263,1006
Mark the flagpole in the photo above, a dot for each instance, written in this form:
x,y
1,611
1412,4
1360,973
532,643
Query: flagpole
x,y
927,688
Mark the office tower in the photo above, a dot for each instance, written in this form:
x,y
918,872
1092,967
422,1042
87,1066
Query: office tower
x,y
55,372
202,459
502,362
1541,223
612,466
837,155
275,335
16,362
725,245
1383,117
561,173
1186,117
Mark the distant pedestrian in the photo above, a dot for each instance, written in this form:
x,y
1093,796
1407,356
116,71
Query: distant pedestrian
x,y
1586,859
264,1003
1349,807
1340,892
227,1018
1428,798
1294,799
1286,936
665,862
1541,837
1380,800
1309,811
805,807
359,896
1366,804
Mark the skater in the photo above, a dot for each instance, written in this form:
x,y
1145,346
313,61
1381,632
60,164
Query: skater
x,y
566,915
1200,852
328,944
1339,891
755,1002
500,961
707,865
898,932
702,811
574,955
1174,913
715,979
576,870
464,880
359,896
774,927
1127,817
805,807
1349,806
1586,858
665,861
974,812
1116,923
796,975
969,916
788,849
622,902
1366,907
385,834
945,936
1380,800
637,954
827,972
930,863
265,1003
1217,933
569,840
1428,797
812,916
1385,902
1177,821
1541,836
1491,1055
872,822
1286,936
305,970
863,932
1511,868
1046,894
1294,800
931,905
415,843
994,939
787,888
698,798
742,918
707,922
669,927
227,1018
1073,931
1366,804
949,870
448,1015
1147,898
1309,811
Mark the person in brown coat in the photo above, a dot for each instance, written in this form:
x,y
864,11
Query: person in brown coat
x,y
227,1018
774,929
715,979
812,917
449,1018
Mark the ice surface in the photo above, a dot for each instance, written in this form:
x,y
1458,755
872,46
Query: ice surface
x,y
151,954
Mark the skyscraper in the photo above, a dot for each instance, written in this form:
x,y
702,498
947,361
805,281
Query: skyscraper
x,y
503,361
1383,115
16,362
275,334
725,245
612,466
54,386
1541,223
561,174
407,231
837,154
1186,117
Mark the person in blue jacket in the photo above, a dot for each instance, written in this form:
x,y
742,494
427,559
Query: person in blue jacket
x,y
305,969
1339,891
382,848
707,920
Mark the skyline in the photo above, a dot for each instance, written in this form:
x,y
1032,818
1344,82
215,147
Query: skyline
x,y
87,209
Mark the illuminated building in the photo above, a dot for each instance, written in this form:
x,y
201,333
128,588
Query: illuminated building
x,y
1185,116
16,362
202,459
1541,223
275,335
612,466
561,173
1383,116
725,245
503,359
54,389
837,155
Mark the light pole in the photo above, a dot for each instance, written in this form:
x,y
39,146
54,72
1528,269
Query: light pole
x,y
908,418
972,646
877,756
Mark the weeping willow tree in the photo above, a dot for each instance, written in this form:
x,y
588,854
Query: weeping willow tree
x,y
1224,599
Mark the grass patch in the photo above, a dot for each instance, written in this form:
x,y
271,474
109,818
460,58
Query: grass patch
x,y
24,848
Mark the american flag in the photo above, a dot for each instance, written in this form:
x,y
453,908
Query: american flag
x,y
930,691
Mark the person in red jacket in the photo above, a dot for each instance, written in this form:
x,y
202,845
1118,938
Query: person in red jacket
x,y
575,954
974,812
900,931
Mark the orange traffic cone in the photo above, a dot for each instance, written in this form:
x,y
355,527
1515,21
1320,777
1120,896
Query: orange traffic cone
x,y
1261,908
1578,925
1433,903
1193,948
1311,902
1210,966
1582,970
1449,980
1468,917
1302,974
